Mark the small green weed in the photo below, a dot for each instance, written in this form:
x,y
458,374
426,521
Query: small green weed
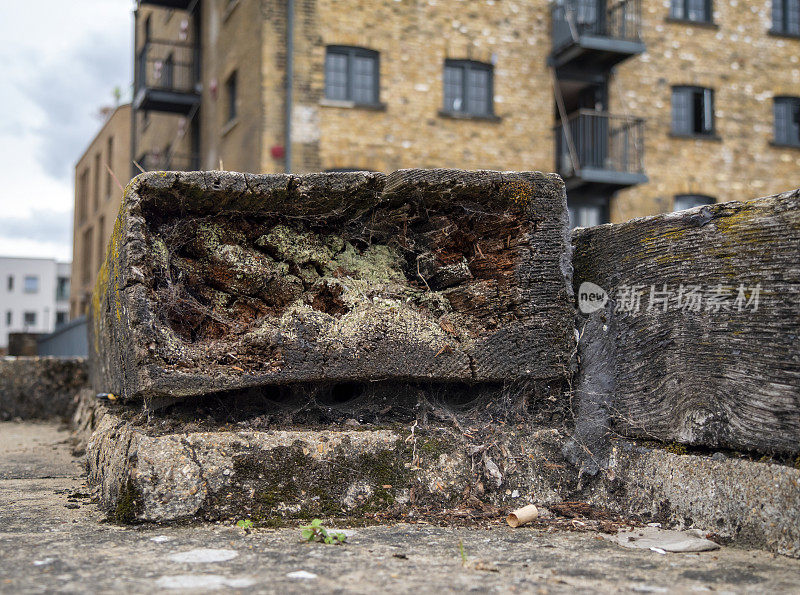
x,y
246,525
462,552
316,532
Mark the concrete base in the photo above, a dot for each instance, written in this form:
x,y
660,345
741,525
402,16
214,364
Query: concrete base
x,y
273,476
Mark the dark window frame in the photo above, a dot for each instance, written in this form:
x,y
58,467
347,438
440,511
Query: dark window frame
x,y
466,109
351,54
681,10
692,128
232,95
782,10
29,319
786,137
699,199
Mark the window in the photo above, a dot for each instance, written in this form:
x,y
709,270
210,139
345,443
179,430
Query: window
x,y
468,88
29,319
689,201
62,289
97,161
109,162
691,10
86,261
230,92
586,215
101,242
8,317
787,121
10,283
351,74
786,17
83,195
61,319
692,111
31,284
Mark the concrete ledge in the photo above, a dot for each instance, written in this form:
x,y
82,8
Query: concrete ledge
x,y
40,387
288,474
751,503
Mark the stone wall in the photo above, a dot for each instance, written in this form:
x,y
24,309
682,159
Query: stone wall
x,y
40,387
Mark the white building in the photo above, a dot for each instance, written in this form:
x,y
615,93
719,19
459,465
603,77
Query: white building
x,y
34,295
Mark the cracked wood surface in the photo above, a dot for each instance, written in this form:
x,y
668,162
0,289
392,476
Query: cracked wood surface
x,y
721,375
221,281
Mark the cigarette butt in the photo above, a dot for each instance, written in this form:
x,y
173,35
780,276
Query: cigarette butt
x,y
522,516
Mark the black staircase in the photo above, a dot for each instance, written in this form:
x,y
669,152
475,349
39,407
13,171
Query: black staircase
x,y
597,153
167,79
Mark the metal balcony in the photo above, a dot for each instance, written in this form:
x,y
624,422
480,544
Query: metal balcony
x,y
595,34
166,77
600,152
176,4
166,161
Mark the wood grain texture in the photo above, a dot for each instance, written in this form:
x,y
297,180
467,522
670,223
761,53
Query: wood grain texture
x,y
724,376
220,281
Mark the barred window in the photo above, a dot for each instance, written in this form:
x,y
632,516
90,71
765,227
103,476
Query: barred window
x,y
786,17
787,121
692,111
691,10
352,74
468,87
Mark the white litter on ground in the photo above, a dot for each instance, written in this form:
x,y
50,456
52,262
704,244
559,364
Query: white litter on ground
x,y
206,582
204,556
662,540
301,574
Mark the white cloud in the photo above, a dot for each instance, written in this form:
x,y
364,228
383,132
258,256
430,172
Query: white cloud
x,y
59,62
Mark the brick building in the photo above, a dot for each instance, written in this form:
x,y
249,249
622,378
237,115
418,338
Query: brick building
x,y
105,164
643,106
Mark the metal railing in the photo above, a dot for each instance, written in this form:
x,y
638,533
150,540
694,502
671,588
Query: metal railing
x,y
167,65
600,141
615,19
165,161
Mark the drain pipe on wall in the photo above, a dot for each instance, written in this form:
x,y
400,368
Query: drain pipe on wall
x,y
287,151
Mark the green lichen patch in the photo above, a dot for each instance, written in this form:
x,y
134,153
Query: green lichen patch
x,y
128,506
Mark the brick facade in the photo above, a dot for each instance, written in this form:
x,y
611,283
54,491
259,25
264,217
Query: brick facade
x,y
735,55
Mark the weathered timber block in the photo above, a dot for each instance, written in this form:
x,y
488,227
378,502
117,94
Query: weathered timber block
x,y
696,360
223,281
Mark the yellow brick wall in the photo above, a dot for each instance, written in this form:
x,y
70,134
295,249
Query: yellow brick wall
x,y
97,219
746,67
231,43
413,39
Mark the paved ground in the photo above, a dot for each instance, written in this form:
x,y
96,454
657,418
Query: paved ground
x,y
52,540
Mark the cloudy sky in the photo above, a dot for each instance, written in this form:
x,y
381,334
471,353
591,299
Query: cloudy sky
x,y
59,64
